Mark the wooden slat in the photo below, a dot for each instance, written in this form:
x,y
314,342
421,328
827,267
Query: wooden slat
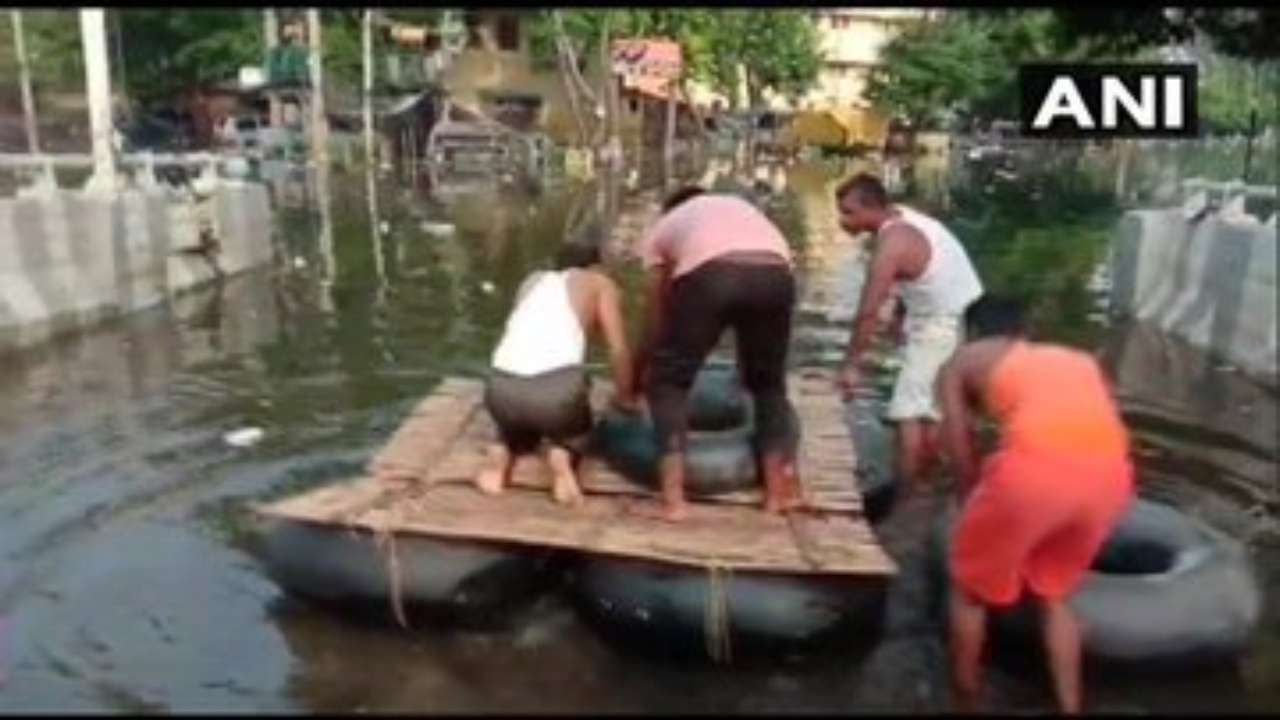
x,y
430,430
613,525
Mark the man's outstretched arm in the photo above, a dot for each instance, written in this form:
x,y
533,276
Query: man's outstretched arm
x,y
881,274
609,314
656,296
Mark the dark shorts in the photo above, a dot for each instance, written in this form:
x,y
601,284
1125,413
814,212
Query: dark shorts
x,y
553,405
754,299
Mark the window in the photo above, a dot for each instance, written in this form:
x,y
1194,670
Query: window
x,y
508,33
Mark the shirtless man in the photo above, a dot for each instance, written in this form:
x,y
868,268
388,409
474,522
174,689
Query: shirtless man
x,y
538,387
1036,511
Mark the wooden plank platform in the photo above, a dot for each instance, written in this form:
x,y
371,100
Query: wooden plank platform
x,y
420,482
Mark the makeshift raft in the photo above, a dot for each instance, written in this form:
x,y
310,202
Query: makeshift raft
x,y
420,483
419,489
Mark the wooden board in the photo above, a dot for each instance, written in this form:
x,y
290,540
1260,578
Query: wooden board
x,y
421,483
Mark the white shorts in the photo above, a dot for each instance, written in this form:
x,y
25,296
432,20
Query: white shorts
x,y
930,343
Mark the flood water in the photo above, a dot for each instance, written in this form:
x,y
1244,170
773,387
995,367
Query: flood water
x,y
127,582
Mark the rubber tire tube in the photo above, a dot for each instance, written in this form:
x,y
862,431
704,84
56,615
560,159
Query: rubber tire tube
x,y
874,447
469,582
1202,610
661,609
716,462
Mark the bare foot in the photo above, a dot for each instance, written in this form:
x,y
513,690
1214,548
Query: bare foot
x,y
490,482
566,491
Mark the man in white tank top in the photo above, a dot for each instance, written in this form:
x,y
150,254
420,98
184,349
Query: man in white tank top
x,y
936,283
538,388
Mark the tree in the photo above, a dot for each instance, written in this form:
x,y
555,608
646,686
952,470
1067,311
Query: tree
x,y
968,61
167,52
1232,90
53,48
777,48
1242,33
936,68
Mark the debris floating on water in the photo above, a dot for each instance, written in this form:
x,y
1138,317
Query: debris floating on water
x,y
244,437
437,229
488,287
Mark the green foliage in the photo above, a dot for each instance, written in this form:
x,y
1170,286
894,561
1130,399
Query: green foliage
x,y
167,52
1039,238
343,52
937,68
1231,90
778,48
54,53
1242,33
964,64
967,62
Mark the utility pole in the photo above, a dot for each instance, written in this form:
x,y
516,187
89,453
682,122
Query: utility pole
x,y
93,36
320,149
24,75
271,37
367,41
319,120
120,68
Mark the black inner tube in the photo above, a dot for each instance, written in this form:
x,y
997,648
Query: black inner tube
x,y
722,451
1133,556
717,401
662,611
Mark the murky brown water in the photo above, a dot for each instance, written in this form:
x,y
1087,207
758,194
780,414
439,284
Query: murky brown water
x,y
125,583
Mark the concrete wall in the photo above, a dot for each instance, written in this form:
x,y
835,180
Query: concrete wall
x,y
68,259
1211,282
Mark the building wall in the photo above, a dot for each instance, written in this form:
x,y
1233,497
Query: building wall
x,y
851,40
487,67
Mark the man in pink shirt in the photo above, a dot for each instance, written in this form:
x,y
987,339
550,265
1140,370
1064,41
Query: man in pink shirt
x,y
715,261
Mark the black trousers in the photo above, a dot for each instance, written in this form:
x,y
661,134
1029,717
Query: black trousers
x,y
754,299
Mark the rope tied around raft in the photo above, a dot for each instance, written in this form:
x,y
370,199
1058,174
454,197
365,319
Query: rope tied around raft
x,y
716,625
388,540
385,539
